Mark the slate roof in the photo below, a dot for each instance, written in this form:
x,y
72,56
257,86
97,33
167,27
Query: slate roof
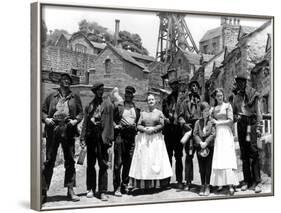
x,y
140,56
126,56
212,34
98,45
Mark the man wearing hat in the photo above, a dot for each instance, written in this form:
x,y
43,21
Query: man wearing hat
x,y
125,118
247,114
97,135
189,114
61,112
172,130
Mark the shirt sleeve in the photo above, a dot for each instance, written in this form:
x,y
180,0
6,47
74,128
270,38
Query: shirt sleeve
x,y
229,112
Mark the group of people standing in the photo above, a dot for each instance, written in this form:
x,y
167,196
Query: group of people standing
x,y
146,141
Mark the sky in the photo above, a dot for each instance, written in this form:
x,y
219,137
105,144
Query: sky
x,y
146,24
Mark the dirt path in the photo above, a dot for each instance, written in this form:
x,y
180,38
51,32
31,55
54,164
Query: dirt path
x,y
57,194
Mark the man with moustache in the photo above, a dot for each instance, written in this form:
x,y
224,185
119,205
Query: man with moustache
x,y
61,112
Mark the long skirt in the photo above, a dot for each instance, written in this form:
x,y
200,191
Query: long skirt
x,y
224,167
150,162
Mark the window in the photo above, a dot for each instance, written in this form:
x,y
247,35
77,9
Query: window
x,y
179,61
108,66
214,47
205,49
80,48
74,71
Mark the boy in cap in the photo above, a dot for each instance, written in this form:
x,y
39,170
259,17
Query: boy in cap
x,y
189,114
247,114
61,112
125,118
97,135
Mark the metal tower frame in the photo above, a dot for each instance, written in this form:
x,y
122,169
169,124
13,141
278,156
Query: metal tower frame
x,y
173,35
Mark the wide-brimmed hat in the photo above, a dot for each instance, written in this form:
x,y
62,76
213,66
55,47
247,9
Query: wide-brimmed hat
x,y
194,82
67,75
130,89
96,86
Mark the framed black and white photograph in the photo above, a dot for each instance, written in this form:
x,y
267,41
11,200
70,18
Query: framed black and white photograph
x,y
138,106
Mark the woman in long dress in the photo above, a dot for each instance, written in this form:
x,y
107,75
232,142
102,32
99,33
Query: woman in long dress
x,y
150,162
224,159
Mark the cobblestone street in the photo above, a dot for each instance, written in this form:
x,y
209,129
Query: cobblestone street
x,y
57,194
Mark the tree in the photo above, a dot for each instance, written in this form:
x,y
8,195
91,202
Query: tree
x,y
98,33
94,31
132,42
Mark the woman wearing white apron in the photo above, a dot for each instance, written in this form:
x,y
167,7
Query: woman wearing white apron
x,y
224,159
150,162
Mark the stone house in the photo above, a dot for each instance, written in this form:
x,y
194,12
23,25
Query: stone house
x,y
79,42
115,67
215,40
249,51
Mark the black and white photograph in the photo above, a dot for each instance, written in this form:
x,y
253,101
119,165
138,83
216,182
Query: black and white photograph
x,y
140,106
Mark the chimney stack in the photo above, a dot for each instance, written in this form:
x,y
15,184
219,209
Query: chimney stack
x,y
116,34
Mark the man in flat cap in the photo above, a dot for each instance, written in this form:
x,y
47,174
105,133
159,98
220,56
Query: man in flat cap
x,y
125,118
97,135
61,112
189,114
172,130
247,114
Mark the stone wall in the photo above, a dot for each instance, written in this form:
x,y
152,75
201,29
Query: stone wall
x,y
253,49
63,60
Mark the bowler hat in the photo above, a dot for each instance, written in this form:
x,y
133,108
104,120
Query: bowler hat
x,y
96,86
194,82
67,75
130,89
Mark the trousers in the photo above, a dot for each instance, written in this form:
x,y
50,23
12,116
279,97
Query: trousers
x,y
96,151
249,151
205,166
123,153
56,136
172,135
